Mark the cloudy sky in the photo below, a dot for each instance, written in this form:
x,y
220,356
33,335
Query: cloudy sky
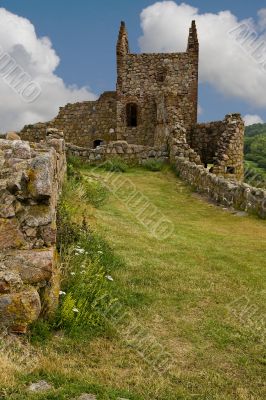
x,y
64,52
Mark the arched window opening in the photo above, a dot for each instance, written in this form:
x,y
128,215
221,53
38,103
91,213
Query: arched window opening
x,y
230,170
97,143
132,115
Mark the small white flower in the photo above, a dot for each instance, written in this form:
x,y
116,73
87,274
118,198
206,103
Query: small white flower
x,y
83,266
78,250
75,310
109,278
72,273
61,293
83,272
100,252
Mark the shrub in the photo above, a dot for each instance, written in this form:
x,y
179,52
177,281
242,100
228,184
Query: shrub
x,y
115,165
87,297
95,192
86,293
75,162
68,232
91,189
153,165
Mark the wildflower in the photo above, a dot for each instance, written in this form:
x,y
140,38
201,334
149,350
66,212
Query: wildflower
x,y
75,310
79,250
109,278
72,273
100,252
61,293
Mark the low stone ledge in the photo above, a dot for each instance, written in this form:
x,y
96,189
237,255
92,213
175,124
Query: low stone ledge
x,y
122,149
230,193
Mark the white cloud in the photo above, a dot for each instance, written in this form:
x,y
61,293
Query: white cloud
x,y
224,63
250,119
200,110
37,58
262,18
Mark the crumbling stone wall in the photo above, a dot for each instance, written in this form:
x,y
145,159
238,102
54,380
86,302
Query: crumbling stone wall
x,y
31,177
131,153
83,123
220,143
230,193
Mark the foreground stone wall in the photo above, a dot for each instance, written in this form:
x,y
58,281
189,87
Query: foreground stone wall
x,y
223,191
83,123
31,177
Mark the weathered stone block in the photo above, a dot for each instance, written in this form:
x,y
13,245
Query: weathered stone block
x,y
17,310
7,205
40,174
33,266
10,234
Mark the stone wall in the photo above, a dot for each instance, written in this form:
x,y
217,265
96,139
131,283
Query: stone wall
x,y
31,177
220,143
223,191
131,153
83,123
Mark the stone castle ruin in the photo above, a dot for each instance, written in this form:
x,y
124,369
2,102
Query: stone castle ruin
x,y
151,115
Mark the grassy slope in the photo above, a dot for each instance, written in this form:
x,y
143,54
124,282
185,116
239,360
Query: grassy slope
x,y
179,289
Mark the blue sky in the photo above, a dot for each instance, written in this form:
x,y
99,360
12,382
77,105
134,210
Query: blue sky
x,y
83,34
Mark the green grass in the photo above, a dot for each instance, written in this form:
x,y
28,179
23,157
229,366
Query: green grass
x,y
254,175
116,164
188,293
153,165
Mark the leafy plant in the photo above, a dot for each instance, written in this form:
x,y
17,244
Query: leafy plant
x,y
153,165
255,154
40,331
115,165
86,260
95,192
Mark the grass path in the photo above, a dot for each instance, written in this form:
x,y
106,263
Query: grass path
x,y
181,289
187,292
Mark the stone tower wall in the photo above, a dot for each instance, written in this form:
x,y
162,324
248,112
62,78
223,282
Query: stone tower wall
x,y
146,79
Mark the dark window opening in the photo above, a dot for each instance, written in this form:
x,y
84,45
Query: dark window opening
x,y
161,76
132,114
97,143
230,170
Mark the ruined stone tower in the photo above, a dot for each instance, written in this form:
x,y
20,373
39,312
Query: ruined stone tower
x,y
155,90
